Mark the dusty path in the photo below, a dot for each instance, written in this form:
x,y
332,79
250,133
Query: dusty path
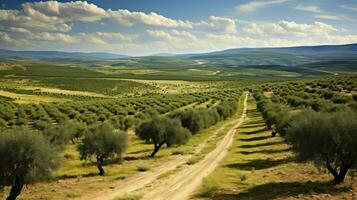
x,y
141,180
181,185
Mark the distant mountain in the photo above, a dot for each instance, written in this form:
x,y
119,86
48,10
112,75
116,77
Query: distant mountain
x,y
59,54
286,56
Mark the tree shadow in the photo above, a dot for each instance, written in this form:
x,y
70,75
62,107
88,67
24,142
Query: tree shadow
x,y
265,151
109,161
139,151
253,125
252,132
255,138
261,145
283,190
260,163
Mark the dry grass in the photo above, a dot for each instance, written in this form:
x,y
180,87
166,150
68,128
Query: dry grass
x,y
27,98
61,91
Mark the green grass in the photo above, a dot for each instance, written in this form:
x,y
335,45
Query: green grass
x,y
258,166
208,188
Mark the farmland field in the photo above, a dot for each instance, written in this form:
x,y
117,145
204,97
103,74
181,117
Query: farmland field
x,y
178,100
47,98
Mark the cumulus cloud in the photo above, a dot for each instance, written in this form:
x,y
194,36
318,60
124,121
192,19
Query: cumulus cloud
x,y
289,28
128,18
70,11
57,37
219,24
256,5
106,38
174,36
4,37
51,15
32,20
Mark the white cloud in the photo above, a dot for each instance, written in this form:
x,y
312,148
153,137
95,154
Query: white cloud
x,y
106,38
56,37
219,24
51,15
256,5
128,18
309,8
4,37
350,7
32,20
328,16
19,30
70,11
322,14
174,36
289,28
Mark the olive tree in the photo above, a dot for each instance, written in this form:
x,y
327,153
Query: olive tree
x,y
161,130
26,157
327,139
103,142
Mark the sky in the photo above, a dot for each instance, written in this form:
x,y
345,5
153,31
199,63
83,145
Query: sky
x,y
146,27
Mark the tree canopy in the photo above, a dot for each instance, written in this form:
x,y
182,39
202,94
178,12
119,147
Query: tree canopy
x,y
103,142
328,139
26,157
161,130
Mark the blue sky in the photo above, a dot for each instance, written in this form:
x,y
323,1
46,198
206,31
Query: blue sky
x,y
143,27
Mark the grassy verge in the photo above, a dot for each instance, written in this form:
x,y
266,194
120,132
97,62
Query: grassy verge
x,y
259,166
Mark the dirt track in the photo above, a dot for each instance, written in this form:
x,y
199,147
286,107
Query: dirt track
x,y
180,185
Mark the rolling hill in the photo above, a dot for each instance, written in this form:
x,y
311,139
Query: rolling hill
x,y
59,54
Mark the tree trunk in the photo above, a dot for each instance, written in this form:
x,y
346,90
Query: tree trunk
x,y
100,166
73,142
16,188
341,176
156,149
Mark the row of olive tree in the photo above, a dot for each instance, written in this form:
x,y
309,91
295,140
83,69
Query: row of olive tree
x,y
327,138
178,127
276,117
198,119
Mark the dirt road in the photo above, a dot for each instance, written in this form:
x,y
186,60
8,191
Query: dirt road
x,y
184,182
181,185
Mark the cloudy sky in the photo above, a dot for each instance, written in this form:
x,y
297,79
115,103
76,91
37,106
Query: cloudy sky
x,y
143,27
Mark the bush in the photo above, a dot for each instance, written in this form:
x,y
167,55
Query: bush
x,y
102,142
162,130
328,139
26,157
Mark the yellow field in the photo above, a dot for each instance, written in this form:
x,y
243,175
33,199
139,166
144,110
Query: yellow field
x,y
26,98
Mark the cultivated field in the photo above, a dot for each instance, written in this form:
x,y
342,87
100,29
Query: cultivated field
x,y
126,132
